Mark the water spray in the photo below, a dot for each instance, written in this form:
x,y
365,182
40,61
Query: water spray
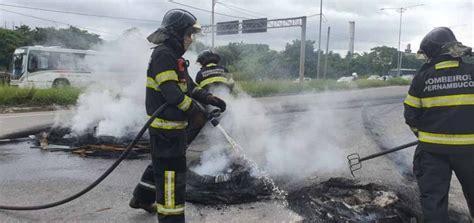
x,y
279,194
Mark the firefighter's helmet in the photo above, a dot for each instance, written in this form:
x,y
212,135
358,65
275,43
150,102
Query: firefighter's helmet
x,y
180,21
207,56
441,41
177,23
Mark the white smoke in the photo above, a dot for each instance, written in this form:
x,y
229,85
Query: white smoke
x,y
213,162
296,148
306,146
114,104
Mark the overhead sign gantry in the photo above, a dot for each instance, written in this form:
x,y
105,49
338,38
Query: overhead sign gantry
x,y
262,25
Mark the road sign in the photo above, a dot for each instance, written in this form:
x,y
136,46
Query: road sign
x,y
254,25
227,28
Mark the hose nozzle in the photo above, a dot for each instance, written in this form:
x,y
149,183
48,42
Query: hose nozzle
x,y
213,115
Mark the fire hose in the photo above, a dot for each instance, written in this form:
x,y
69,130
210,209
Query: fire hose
x,y
98,180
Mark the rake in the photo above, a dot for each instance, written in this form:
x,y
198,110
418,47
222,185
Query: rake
x,y
355,161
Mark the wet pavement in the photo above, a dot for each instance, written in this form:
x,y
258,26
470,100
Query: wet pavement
x,y
368,120
32,176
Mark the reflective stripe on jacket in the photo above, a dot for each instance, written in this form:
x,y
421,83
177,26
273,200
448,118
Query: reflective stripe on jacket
x,y
213,74
439,106
168,81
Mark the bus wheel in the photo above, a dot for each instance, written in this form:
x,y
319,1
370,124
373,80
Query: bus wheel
x,y
58,83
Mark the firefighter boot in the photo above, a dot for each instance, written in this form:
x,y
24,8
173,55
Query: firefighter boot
x,y
150,208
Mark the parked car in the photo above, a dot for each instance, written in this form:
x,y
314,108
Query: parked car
x,y
348,79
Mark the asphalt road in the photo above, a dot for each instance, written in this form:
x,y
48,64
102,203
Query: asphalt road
x,y
362,121
19,122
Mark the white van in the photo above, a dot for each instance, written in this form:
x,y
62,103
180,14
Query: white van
x,y
46,67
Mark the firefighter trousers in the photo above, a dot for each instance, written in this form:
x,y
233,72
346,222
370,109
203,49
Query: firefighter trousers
x,y
433,172
164,180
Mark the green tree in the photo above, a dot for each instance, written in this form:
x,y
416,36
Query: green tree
x,y
291,58
382,58
71,37
9,41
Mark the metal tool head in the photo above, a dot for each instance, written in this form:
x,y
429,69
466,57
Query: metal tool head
x,y
215,113
354,163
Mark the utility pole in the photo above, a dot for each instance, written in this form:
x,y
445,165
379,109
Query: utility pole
x,y
351,38
302,48
213,31
327,54
401,10
319,39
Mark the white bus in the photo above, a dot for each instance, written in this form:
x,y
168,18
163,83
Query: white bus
x,y
46,67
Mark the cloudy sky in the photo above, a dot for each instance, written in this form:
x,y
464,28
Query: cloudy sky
x,y
373,27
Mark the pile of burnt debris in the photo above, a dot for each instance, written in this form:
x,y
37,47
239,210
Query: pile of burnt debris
x,y
61,139
234,185
345,200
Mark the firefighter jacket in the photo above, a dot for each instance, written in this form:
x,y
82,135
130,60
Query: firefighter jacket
x,y
213,74
168,81
440,106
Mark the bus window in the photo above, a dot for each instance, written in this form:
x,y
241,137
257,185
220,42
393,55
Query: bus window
x,y
80,62
17,66
38,61
56,61
32,63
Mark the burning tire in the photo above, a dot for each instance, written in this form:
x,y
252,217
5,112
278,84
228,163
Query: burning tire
x,y
235,186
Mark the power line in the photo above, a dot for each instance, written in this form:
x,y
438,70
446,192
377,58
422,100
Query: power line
x,y
81,14
54,21
242,9
236,10
204,10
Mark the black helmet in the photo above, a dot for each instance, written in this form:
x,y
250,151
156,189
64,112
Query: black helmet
x,y
207,56
180,21
441,41
176,22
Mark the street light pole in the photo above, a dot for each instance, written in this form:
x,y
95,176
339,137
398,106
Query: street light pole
x,y
399,52
399,61
319,39
213,5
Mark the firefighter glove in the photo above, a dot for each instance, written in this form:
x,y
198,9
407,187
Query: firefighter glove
x,y
213,100
197,114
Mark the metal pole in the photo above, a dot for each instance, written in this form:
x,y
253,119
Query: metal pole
x,y
319,39
351,39
327,54
302,48
213,4
399,53
399,61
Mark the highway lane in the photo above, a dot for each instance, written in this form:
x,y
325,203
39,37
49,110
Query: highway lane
x,y
351,121
18,122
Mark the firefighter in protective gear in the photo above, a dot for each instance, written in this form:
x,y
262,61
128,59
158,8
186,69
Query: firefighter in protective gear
x,y
212,76
439,109
162,186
